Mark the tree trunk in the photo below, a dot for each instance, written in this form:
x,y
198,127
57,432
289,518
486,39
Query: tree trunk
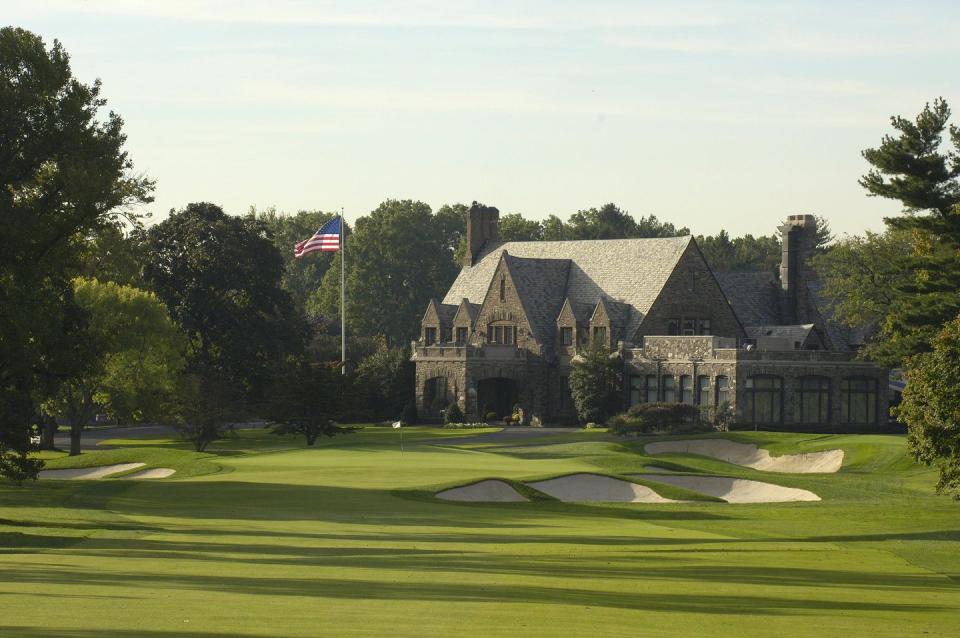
x,y
75,431
48,428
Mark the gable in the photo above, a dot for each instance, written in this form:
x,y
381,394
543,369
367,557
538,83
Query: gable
x,y
691,291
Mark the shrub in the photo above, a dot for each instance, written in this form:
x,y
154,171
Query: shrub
x,y
656,417
491,416
454,414
409,414
595,383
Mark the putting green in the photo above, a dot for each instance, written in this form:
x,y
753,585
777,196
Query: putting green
x,y
262,537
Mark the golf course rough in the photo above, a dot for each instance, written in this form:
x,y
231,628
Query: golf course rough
x,y
749,455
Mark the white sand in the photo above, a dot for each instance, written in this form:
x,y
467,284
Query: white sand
x,y
489,491
89,473
735,490
153,473
750,455
581,488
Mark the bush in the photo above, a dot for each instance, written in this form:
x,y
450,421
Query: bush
x,y
491,416
454,414
645,418
409,414
464,426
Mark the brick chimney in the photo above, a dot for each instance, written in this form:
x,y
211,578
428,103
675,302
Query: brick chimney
x,y
482,222
798,236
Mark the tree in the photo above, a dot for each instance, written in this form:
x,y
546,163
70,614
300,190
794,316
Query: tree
x,y
305,400
595,383
63,175
398,255
931,407
302,277
220,278
135,357
610,222
514,227
864,278
384,381
911,168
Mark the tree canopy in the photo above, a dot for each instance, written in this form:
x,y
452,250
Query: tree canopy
x,y
63,175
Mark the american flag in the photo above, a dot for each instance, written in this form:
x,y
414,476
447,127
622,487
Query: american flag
x,y
327,240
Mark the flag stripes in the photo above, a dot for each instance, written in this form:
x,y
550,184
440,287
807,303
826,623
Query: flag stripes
x,y
327,240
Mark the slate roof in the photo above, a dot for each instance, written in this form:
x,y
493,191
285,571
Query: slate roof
x,y
797,333
446,313
629,271
541,284
754,295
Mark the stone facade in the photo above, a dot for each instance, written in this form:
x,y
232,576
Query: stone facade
x,y
756,347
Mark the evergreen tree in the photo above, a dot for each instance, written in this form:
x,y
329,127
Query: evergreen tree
x,y
595,383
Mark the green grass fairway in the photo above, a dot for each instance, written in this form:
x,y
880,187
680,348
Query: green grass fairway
x,y
263,537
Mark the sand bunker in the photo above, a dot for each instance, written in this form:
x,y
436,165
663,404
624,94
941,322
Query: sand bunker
x,y
585,488
750,455
735,490
153,473
489,491
89,473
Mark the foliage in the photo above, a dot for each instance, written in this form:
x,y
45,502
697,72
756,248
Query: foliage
x,y
460,425
453,414
514,227
595,383
63,175
864,278
301,276
220,277
910,167
610,222
645,418
931,407
384,381
305,400
400,254
135,355
409,415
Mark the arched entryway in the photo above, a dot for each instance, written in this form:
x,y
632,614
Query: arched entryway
x,y
435,397
497,394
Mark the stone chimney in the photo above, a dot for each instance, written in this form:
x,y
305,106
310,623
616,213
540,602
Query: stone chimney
x,y
482,222
798,236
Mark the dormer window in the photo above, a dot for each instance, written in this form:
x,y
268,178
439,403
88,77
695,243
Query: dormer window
x,y
429,335
600,334
503,288
461,336
566,336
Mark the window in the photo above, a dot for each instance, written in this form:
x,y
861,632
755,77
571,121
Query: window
x,y
689,327
723,390
703,389
673,327
583,336
505,335
429,335
636,389
600,334
447,335
653,393
704,327
858,400
503,288
461,336
814,400
669,392
763,396
686,389
566,336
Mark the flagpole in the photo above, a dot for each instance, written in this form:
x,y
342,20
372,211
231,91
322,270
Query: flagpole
x,y
343,307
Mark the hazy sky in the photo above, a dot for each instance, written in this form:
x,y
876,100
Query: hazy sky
x,y
707,114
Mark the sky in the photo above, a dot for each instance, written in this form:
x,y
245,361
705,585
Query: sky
x,y
711,115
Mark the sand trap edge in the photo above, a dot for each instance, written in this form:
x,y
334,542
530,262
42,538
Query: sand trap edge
x,y
740,491
88,473
151,474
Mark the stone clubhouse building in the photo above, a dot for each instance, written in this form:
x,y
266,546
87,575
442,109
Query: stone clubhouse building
x,y
760,346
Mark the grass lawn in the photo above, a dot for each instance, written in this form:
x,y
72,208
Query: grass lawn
x,y
260,536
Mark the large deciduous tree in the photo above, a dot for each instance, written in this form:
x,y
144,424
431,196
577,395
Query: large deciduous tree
x,y
220,276
63,175
135,356
931,407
